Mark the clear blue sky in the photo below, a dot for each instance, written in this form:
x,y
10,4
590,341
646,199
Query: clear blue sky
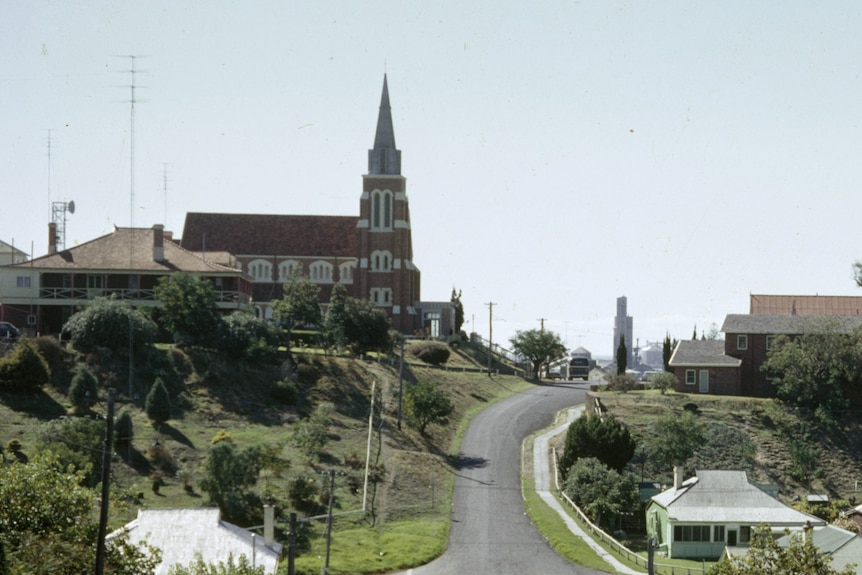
x,y
558,154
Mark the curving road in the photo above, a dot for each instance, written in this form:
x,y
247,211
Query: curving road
x,y
491,533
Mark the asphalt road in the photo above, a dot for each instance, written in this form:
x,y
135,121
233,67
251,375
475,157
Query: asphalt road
x,y
491,533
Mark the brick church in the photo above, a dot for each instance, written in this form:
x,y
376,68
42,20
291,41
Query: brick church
x,y
372,254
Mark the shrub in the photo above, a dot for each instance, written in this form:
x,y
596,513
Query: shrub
x,y
426,403
662,381
24,369
432,352
106,323
302,491
123,428
84,390
158,403
249,337
51,350
622,383
284,391
161,458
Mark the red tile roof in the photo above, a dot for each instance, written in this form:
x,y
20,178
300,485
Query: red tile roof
x,y
128,249
805,305
260,234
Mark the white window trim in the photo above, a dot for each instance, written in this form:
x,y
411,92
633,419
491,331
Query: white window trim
x,y
742,342
691,377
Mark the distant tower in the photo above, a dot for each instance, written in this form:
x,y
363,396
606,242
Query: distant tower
x,y
386,274
623,326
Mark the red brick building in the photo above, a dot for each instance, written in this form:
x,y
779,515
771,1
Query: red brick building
x,y
370,254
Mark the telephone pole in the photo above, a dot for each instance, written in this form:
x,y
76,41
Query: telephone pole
x,y
490,305
106,485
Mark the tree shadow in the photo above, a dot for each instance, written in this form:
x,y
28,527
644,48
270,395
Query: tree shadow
x,y
461,462
134,459
39,404
176,435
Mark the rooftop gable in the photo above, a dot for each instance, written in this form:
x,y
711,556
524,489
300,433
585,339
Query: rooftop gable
x,y
789,324
128,249
267,234
726,496
702,353
182,533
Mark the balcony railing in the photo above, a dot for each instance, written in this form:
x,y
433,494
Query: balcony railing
x,y
73,293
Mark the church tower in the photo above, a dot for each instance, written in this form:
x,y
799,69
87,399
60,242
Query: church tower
x,y
386,274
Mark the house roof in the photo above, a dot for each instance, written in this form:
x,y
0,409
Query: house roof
x,y
267,235
828,538
183,533
128,249
723,496
702,353
761,304
788,324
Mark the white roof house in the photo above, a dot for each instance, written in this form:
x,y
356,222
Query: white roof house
x,y
181,534
702,515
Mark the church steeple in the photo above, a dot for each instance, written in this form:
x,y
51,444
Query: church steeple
x,y
384,159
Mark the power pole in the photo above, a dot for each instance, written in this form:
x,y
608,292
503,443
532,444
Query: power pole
x,y
106,485
542,323
291,545
490,305
329,519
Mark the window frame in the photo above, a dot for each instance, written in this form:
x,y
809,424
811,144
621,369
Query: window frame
x,y
742,342
691,377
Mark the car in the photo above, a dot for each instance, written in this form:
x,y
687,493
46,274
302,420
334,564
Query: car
x,y
8,331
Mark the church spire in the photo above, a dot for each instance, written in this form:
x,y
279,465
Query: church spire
x,y
384,158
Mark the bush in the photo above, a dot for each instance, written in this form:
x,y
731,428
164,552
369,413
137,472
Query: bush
x,y
161,458
78,442
302,492
123,429
622,383
249,337
158,403
432,352
662,381
24,369
51,350
106,323
284,391
84,390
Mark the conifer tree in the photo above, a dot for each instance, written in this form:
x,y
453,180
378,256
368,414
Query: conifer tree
x,y
158,403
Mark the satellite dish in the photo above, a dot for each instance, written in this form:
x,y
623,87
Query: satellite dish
x,y
72,207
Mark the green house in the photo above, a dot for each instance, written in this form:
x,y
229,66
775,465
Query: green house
x,y
699,517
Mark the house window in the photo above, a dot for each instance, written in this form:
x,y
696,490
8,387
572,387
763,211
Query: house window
x,y
94,282
690,378
321,272
741,342
260,270
345,272
381,261
381,210
691,533
23,281
770,342
286,270
744,534
381,296
718,533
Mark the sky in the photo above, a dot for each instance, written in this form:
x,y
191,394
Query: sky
x,y
558,155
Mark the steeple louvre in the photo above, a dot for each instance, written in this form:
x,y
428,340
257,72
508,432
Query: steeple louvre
x,y
384,159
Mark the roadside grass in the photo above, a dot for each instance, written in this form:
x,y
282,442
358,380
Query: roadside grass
x,y
554,530
363,549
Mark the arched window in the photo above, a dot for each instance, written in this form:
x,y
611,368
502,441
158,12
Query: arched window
x,y
381,261
287,268
381,296
321,272
381,210
345,272
260,270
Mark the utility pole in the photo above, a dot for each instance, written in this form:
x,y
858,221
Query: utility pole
x,y
291,545
329,519
490,305
106,485
400,382
542,323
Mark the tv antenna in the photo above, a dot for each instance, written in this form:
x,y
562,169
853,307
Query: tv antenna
x,y
58,217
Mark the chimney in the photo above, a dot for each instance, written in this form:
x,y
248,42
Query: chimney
x,y
52,238
268,525
158,243
169,236
677,477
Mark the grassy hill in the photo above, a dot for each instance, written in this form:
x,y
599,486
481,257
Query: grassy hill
x,y
261,405
759,435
